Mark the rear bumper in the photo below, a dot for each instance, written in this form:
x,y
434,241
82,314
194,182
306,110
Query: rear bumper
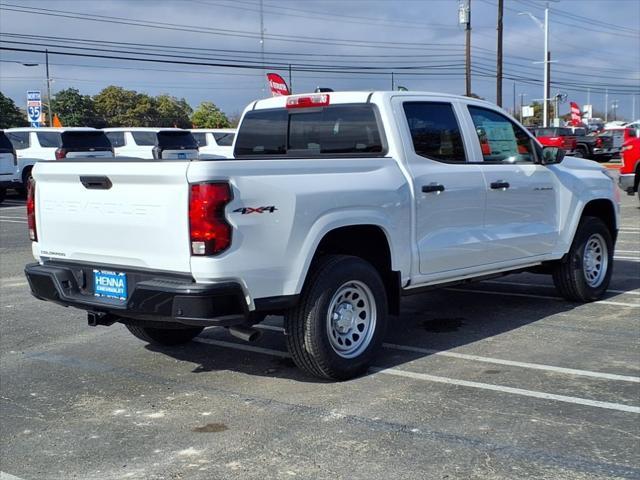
x,y
157,298
626,182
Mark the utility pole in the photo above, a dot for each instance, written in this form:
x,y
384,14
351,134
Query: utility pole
x,y
290,81
547,58
392,83
49,114
614,106
522,95
262,42
514,99
499,55
464,18
633,108
606,105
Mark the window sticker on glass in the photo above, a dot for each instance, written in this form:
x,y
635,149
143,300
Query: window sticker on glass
x,y
499,138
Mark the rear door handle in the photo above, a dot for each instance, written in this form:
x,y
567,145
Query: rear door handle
x,y
96,182
500,185
433,188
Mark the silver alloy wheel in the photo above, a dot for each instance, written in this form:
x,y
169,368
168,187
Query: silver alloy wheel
x,y
595,260
351,319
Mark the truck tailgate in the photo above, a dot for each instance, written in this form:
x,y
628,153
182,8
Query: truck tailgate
x,y
125,214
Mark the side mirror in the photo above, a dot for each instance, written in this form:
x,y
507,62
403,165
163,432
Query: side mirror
x,y
551,155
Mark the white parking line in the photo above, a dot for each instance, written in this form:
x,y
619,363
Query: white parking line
x,y
451,381
627,251
496,361
13,218
4,220
549,297
633,259
23,207
516,391
8,476
523,284
9,285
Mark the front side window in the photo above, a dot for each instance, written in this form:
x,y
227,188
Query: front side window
x,y
434,131
19,140
501,140
116,139
144,139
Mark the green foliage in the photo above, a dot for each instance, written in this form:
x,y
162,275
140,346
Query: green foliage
x,y
120,107
10,115
76,110
172,112
207,115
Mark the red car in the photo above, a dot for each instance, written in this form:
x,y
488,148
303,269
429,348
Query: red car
x,y
557,137
630,170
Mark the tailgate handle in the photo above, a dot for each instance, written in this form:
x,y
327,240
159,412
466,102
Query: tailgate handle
x,y
96,183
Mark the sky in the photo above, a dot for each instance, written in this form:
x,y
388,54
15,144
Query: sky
x,y
341,44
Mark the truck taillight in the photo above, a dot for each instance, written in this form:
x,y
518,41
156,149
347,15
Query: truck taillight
x,y
209,230
31,210
598,142
61,153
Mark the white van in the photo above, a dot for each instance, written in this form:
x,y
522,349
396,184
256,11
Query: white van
x,y
152,143
45,144
216,142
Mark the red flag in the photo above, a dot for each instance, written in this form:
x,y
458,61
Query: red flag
x,y
277,85
576,117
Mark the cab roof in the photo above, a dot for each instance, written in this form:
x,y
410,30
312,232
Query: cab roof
x,y
361,97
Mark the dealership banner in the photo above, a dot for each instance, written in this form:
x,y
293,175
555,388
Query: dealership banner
x,y
277,85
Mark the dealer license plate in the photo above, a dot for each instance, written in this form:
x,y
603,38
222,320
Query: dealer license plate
x,y
110,284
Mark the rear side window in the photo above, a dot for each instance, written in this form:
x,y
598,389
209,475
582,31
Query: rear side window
x,y
176,140
342,130
85,141
201,138
144,139
546,132
434,131
116,138
5,144
565,132
49,139
19,140
224,139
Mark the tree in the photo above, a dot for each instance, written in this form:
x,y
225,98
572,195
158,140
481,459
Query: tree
x,y
76,110
207,115
172,112
10,115
120,107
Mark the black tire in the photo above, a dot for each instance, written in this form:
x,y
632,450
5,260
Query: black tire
x,y
3,194
333,279
569,276
165,336
579,153
26,178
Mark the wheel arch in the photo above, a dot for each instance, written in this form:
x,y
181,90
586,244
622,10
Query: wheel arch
x,y
605,210
369,241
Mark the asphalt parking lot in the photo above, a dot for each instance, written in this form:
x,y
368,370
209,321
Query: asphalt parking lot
x,y
499,380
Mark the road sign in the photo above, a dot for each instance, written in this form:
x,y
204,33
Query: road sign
x,y
527,111
34,107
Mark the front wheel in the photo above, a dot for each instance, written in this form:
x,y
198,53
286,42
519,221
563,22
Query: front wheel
x,y
584,274
338,325
3,194
164,336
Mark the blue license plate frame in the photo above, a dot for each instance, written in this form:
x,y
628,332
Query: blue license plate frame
x,y
110,284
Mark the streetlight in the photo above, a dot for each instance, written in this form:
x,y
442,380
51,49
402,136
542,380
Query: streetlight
x,y
46,59
545,27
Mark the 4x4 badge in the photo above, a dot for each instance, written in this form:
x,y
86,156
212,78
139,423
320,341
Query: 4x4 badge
x,y
248,210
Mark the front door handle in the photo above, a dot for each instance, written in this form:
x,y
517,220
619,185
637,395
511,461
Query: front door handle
x,y
499,185
433,188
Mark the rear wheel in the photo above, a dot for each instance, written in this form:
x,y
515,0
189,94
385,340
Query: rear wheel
x,y
165,336
584,274
579,153
26,179
338,326
3,194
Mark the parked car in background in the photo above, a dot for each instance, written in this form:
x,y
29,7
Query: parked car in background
x,y
46,144
613,139
217,142
8,165
560,137
630,171
152,143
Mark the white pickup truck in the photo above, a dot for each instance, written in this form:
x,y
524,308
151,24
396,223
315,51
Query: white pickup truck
x,y
335,206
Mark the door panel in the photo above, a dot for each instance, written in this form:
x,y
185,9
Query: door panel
x,y
449,192
521,217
